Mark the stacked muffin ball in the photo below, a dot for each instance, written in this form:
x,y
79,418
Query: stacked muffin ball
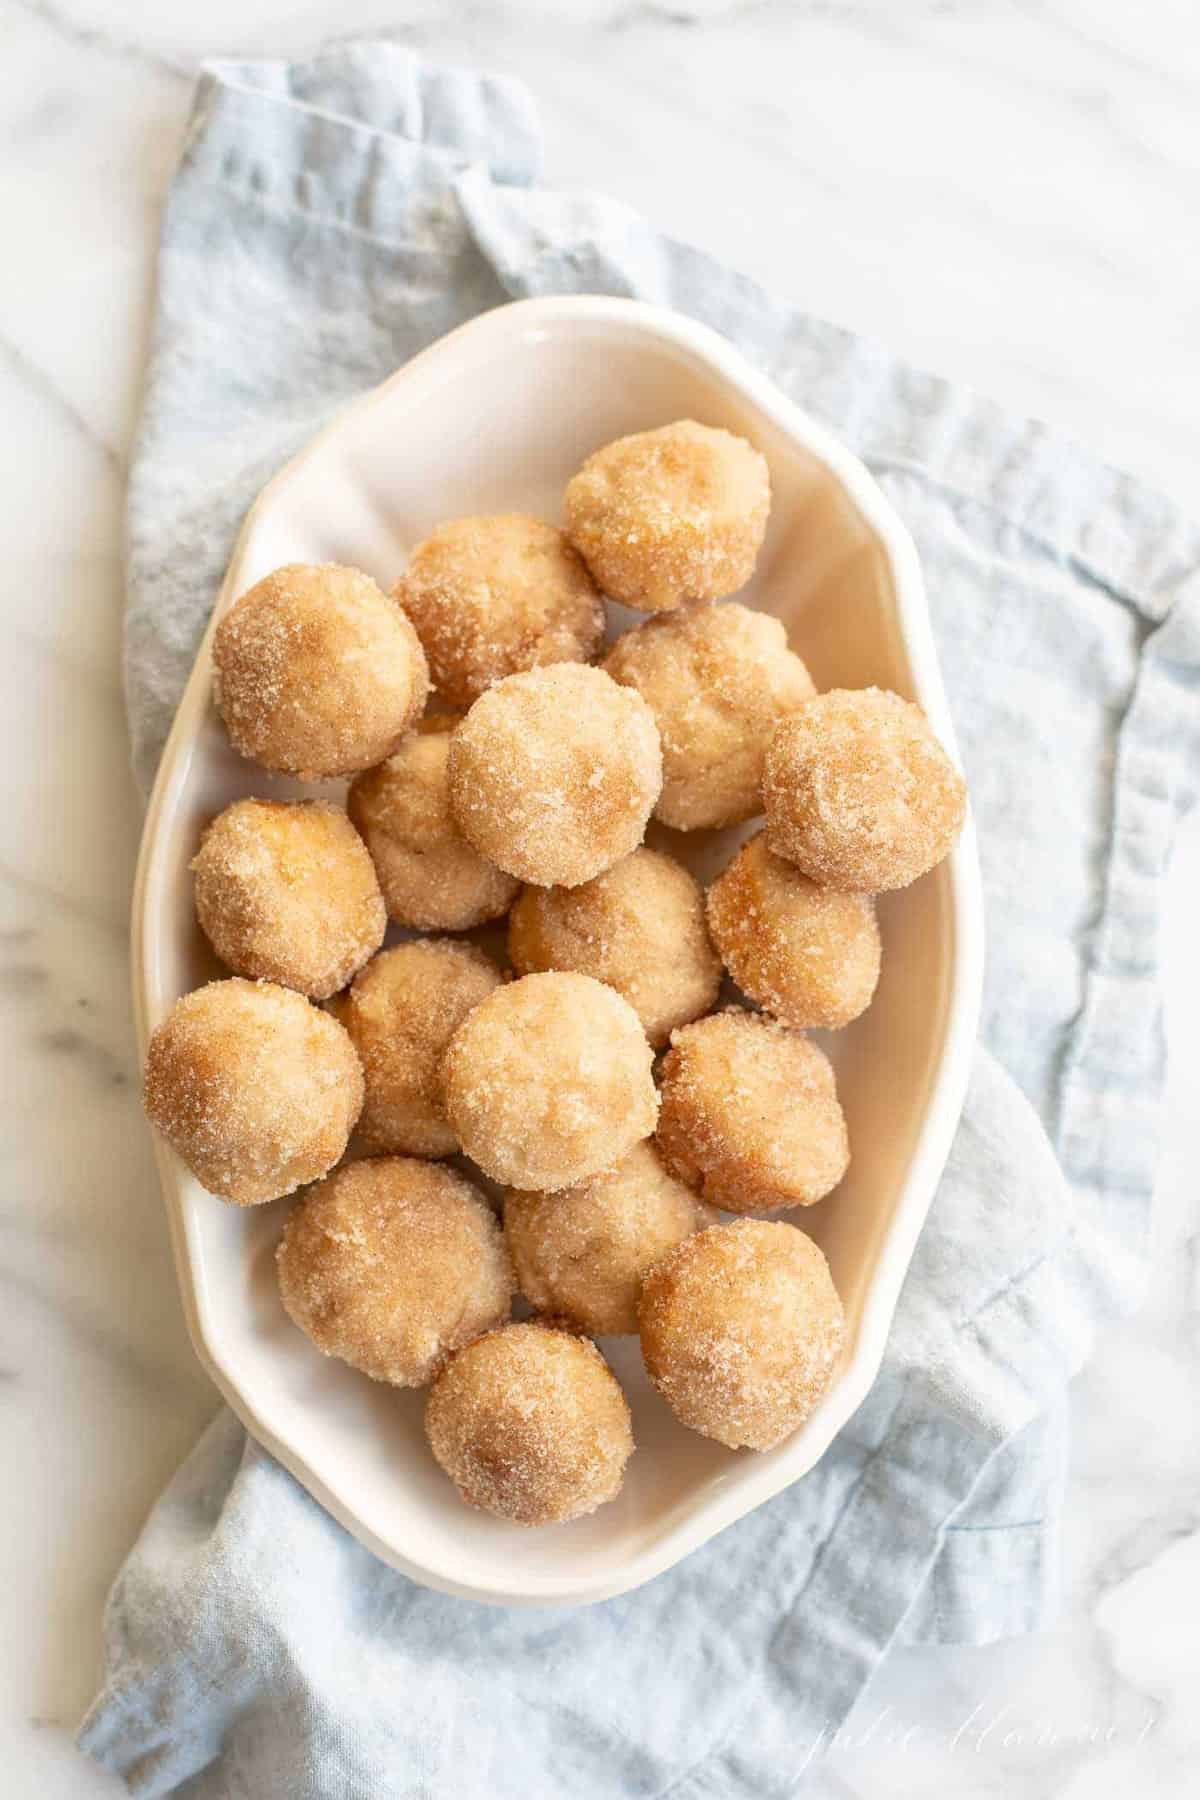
x,y
526,794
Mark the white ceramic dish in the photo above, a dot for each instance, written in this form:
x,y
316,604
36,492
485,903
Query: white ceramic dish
x,y
496,417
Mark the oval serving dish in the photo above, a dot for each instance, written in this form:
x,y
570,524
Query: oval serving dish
x,y
496,418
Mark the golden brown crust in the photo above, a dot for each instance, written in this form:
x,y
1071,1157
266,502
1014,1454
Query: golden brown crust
x,y
286,892
549,1081
718,679
254,1087
316,672
741,1330
582,1253
432,878
807,954
401,1013
749,1115
639,927
392,1264
492,596
530,1425
858,792
670,515
553,774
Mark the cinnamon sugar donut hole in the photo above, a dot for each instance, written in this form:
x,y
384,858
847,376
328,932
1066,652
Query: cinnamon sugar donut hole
x,y
718,679
391,1264
741,1331
285,891
432,878
401,1013
807,954
255,1088
549,1081
670,515
581,1254
749,1114
492,596
554,773
530,1424
858,792
316,672
639,927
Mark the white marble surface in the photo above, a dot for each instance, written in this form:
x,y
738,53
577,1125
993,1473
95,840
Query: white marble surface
x,y
1007,192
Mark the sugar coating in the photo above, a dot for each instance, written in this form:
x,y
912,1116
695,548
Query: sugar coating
x,y
492,596
639,927
581,1254
859,793
718,679
554,773
549,1081
741,1331
749,1114
285,891
432,878
401,1013
670,515
809,955
530,1424
254,1087
391,1264
316,672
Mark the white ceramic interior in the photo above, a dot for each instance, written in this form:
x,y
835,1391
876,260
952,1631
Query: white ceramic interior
x,y
496,417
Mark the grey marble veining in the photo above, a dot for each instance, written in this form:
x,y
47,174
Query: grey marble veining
x,y
1006,192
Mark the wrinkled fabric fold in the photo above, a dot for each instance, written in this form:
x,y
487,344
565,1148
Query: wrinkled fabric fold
x,y
329,219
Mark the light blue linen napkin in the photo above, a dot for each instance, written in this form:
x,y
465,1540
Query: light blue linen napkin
x,y
328,219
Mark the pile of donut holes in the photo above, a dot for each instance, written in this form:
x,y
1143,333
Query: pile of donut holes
x,y
557,1110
